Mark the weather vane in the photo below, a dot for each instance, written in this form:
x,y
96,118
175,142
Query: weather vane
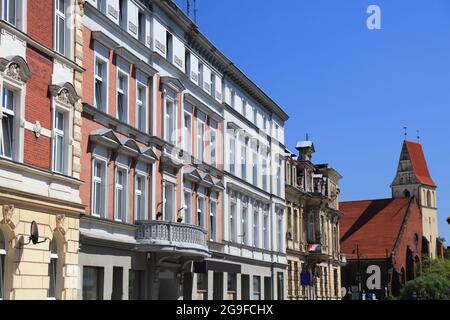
x,y
406,132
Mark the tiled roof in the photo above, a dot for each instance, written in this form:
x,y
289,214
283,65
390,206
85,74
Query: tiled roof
x,y
419,163
373,225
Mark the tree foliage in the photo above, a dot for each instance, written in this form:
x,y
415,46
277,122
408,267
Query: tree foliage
x,y
432,284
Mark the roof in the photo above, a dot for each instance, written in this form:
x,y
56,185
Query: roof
x,y
373,225
419,163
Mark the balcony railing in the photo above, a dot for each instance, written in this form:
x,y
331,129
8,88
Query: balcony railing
x,y
163,235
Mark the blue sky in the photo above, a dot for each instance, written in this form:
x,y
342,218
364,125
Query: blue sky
x,y
352,89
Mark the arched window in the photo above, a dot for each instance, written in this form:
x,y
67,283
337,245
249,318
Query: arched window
x,y
2,264
406,194
429,199
53,270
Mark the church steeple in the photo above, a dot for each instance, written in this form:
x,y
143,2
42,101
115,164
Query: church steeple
x,y
413,179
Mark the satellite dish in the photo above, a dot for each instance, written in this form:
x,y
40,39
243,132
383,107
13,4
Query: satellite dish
x,y
34,233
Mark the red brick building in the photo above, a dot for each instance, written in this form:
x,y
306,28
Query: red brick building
x,y
384,240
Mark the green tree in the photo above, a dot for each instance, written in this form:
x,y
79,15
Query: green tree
x,y
432,284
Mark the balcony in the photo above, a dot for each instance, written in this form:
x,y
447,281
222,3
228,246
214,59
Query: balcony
x,y
317,253
179,238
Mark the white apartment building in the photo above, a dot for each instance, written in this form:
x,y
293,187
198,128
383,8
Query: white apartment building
x,y
165,105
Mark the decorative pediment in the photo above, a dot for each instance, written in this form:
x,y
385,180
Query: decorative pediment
x,y
173,83
65,93
15,68
129,147
170,161
105,137
148,155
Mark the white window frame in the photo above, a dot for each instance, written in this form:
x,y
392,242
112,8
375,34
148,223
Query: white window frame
x,y
17,12
187,208
141,104
170,137
58,133
200,139
103,185
124,188
213,146
256,227
124,92
232,153
172,217
245,224
142,32
233,217
143,193
279,231
266,230
19,113
53,257
187,132
5,112
201,221
58,14
213,220
104,79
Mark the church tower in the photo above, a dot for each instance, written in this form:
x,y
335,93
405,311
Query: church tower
x,y
414,179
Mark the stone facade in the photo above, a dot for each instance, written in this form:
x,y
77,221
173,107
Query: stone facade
x,y
312,228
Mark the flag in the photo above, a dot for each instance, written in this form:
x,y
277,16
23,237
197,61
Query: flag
x,y
313,247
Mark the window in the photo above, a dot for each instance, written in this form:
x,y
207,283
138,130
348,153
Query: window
x,y
266,231
244,108
53,270
61,27
8,110
140,197
101,5
256,288
169,52
188,132
232,222
280,232
213,85
188,207
255,228
244,159
213,146
200,211
59,149
141,113
232,153
2,265
200,75
141,26
123,13
289,278
121,194
92,283
122,101
202,281
213,221
295,225
232,283
10,11
99,188
169,202
200,139
265,172
187,66
135,288
255,116
255,168
169,122
335,240
100,85
233,98
279,178
245,237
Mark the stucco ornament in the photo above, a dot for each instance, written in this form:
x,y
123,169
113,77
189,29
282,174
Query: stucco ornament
x,y
37,128
8,212
60,218
13,71
63,96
